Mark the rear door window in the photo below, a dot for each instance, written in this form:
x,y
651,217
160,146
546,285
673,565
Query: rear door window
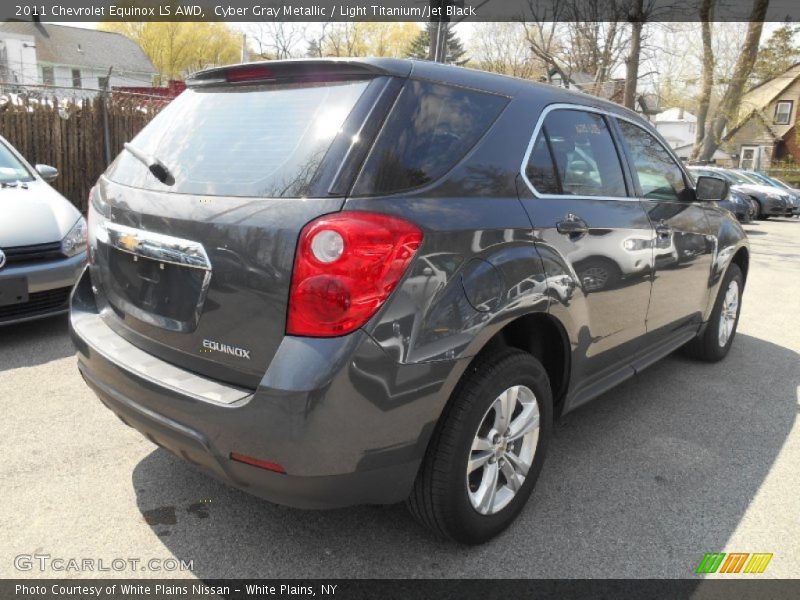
x,y
430,129
255,140
574,155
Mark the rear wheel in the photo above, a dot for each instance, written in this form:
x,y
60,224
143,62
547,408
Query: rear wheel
x,y
486,453
715,341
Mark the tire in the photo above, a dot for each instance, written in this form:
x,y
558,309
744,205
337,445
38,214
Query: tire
x,y
708,345
596,274
757,214
444,496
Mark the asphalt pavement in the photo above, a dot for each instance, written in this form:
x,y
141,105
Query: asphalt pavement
x,y
686,458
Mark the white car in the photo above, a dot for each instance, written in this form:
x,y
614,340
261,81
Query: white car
x,y
42,241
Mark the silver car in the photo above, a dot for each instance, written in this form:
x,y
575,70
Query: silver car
x,y
42,241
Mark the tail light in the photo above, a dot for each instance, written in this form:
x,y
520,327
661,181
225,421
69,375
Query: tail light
x,y
346,266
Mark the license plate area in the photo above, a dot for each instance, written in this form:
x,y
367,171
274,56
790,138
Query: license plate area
x,y
13,290
160,293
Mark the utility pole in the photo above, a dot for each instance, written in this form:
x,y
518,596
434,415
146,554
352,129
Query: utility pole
x,y
437,31
104,106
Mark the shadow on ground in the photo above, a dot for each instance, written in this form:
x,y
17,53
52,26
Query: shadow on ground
x,y
640,483
34,343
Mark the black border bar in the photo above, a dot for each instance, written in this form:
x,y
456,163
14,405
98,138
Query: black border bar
x,y
385,10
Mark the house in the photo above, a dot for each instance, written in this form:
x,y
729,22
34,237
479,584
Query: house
x,y
610,90
70,58
677,126
765,131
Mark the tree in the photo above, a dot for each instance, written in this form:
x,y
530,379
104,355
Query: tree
x,y
570,36
741,72
637,19
706,15
178,49
501,48
779,53
420,47
275,39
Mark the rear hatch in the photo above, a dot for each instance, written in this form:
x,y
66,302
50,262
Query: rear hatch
x,y
197,270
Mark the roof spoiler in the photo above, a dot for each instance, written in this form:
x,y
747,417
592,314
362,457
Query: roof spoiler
x,y
298,71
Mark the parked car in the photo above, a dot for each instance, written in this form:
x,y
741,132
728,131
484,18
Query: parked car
x,y
770,201
405,209
763,179
42,241
737,202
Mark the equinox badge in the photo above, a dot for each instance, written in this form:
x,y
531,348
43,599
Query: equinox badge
x,y
226,349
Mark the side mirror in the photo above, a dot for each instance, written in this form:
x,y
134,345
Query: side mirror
x,y
711,189
48,173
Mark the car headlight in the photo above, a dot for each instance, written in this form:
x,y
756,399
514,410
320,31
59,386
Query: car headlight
x,y
75,241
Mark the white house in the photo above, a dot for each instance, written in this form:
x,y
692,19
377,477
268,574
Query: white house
x,y
35,53
677,126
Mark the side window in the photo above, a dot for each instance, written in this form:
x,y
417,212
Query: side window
x,y
660,177
574,155
431,127
540,169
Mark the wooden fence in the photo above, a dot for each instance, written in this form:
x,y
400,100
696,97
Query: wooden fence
x,y
69,134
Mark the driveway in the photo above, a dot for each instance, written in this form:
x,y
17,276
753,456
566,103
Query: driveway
x,y
684,459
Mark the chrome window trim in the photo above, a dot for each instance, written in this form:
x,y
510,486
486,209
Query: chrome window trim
x,y
591,109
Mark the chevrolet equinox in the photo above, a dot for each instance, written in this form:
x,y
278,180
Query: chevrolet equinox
x,y
333,282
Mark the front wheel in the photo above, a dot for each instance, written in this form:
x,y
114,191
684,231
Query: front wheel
x,y
487,451
715,341
757,210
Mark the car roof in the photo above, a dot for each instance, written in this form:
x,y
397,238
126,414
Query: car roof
x,y
448,74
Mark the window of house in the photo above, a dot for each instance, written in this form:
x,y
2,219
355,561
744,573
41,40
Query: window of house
x,y
48,76
102,82
574,155
660,177
783,112
76,78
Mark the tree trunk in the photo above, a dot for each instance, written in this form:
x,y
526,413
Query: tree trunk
x,y
632,62
733,94
706,15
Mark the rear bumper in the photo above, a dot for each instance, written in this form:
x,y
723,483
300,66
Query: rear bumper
x,y
348,425
49,283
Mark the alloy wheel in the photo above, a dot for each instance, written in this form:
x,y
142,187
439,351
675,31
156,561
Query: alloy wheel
x,y
727,317
503,449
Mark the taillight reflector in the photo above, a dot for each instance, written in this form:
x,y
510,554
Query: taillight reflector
x,y
257,462
346,265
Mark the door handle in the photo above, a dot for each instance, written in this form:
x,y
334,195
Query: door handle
x,y
663,230
572,225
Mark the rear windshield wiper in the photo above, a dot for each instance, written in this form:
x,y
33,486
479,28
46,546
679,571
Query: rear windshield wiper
x,y
155,166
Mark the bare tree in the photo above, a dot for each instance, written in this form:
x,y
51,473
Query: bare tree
x,y
276,39
735,89
706,15
543,37
316,39
501,48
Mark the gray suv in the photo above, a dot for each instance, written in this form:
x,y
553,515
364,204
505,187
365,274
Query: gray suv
x,y
333,282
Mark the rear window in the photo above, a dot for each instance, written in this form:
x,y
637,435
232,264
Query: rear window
x,y
263,141
431,127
